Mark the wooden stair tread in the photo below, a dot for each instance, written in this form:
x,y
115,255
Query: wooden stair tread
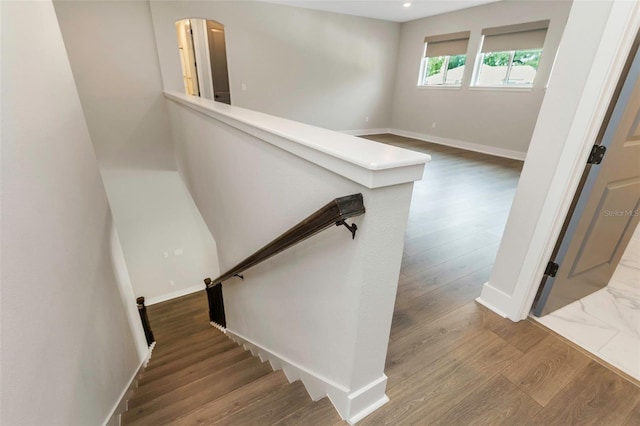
x,y
197,353
186,375
275,406
233,402
193,395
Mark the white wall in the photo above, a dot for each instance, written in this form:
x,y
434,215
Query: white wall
x,y
169,249
113,56
67,347
496,120
325,305
111,48
315,67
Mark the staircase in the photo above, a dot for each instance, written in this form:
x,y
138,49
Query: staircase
x,y
197,376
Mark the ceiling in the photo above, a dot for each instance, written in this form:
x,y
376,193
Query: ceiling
x,y
389,10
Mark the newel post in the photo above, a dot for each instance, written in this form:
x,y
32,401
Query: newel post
x,y
142,310
216,304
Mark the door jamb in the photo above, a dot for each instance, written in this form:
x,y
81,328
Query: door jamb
x,y
618,36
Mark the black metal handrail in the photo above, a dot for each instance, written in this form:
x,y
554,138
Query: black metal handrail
x,y
334,213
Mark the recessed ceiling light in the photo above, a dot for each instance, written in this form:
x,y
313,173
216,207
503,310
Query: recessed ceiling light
x,y
406,4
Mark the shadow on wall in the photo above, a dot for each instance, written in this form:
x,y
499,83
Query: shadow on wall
x,y
167,246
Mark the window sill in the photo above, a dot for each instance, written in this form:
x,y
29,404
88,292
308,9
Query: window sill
x,y
438,87
502,88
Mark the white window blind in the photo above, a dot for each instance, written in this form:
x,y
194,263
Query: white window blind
x,y
447,44
527,36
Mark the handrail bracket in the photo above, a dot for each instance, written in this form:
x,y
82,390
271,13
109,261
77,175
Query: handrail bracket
x,y
352,228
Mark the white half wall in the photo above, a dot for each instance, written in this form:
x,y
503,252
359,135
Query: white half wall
x,y
322,309
320,68
502,120
591,56
68,350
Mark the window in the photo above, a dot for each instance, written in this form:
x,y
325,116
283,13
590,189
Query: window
x,y
444,59
510,55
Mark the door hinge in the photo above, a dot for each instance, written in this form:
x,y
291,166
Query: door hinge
x,y
597,154
552,269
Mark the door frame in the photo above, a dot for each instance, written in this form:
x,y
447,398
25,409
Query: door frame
x,y
533,227
619,102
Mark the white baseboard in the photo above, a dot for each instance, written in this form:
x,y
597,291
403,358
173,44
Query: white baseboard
x,y
174,294
496,300
469,146
365,132
218,326
351,406
121,405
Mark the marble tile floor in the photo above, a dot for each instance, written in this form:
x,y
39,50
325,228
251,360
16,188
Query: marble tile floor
x,y
607,322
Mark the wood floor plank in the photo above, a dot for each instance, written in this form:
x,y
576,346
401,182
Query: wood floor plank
x,y
633,419
441,383
317,413
498,402
524,335
596,397
546,369
438,302
430,341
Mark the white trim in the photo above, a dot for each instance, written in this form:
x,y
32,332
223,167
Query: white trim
x,y
174,294
365,132
218,327
352,406
370,165
121,406
469,146
439,87
503,88
492,297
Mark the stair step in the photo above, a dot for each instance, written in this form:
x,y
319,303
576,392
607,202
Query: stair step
x,y
178,401
180,348
274,406
233,402
186,374
173,324
171,363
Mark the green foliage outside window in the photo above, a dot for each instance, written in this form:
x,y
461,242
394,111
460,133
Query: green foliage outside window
x,y
434,64
456,61
520,57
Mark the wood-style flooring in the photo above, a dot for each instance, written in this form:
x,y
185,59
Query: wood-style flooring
x,y
450,361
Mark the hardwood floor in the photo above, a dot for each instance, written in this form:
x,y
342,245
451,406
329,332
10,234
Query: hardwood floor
x,y
450,361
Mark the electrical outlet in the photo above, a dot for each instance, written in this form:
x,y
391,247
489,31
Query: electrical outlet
x,y
171,283
244,86
433,125
178,252
166,254
366,119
